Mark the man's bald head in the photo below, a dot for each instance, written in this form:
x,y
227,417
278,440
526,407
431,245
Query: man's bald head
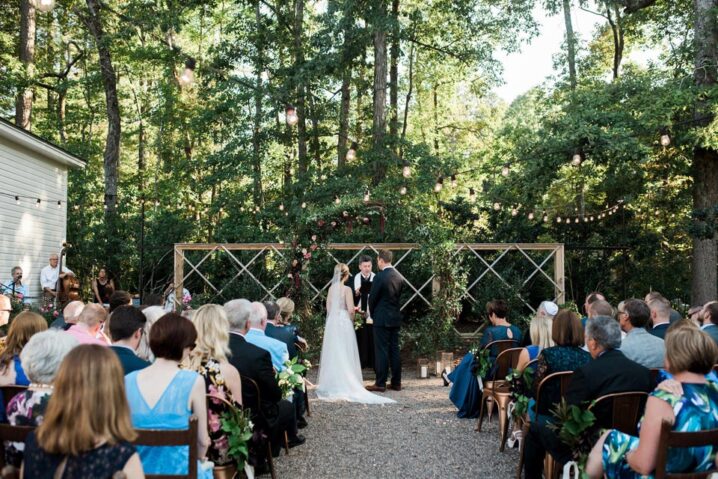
x,y
72,311
92,315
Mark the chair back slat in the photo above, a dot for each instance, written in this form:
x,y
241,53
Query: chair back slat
x,y
505,361
626,410
501,345
172,437
563,377
674,439
9,392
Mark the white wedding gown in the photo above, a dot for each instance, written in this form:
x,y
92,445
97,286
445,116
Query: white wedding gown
x,y
340,377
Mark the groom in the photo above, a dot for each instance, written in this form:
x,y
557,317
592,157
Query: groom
x,y
384,308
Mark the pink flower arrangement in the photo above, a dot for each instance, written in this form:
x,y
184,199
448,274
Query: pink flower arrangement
x,y
213,421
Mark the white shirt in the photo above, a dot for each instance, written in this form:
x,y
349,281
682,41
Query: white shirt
x,y
48,276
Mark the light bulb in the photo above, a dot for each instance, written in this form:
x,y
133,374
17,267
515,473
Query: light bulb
x,y
585,220
402,190
576,160
439,184
17,200
366,196
337,200
497,206
576,221
531,216
453,181
505,170
290,114
352,152
37,203
472,194
44,5
665,139
406,171
514,212
281,207
545,218
591,218
304,205
558,219
59,205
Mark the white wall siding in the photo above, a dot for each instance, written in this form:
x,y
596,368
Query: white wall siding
x,y
28,234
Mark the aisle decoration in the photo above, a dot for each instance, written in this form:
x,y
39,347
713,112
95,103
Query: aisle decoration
x,y
291,378
576,429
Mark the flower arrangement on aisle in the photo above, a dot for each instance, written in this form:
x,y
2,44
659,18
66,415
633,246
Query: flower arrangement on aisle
x,y
482,364
576,427
291,377
237,423
520,385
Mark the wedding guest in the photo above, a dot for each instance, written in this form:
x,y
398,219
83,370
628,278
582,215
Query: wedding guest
x,y
286,311
639,345
89,323
102,287
22,328
710,320
69,315
119,298
257,324
40,358
591,298
274,414
660,315
163,396
221,379
152,314
127,325
567,354
609,372
674,315
689,403
540,332
95,442
600,307
500,329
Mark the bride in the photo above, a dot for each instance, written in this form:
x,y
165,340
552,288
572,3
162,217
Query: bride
x,y
340,376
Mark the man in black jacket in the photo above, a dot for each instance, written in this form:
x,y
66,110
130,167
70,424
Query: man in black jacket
x,y
255,363
609,372
384,307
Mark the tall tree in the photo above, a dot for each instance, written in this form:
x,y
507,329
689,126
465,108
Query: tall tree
x,y
570,43
24,99
394,71
380,73
301,90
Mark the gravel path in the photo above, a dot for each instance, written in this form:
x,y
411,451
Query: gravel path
x,y
419,437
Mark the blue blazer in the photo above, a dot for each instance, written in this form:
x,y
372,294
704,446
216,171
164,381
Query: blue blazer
x,y
129,360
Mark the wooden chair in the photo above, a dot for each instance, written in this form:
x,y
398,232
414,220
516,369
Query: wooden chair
x,y
673,439
626,410
9,392
531,364
172,437
501,345
563,377
303,349
12,434
498,390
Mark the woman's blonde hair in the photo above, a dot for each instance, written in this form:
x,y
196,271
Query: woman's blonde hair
x,y
540,330
343,270
212,327
286,308
690,349
88,403
22,328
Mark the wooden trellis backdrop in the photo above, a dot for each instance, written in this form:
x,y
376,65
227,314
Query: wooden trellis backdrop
x,y
548,265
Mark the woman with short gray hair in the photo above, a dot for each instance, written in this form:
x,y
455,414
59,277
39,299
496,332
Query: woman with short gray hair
x,y
40,358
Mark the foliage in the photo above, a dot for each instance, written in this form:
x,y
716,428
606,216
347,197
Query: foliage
x,y
482,363
291,377
237,423
575,428
520,385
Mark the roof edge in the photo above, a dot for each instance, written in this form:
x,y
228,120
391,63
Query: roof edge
x,y
39,145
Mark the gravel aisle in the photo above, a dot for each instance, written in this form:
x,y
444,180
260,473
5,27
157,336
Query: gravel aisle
x,y
419,437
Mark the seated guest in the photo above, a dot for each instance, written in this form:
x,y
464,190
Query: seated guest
x,y
256,335
69,315
498,311
690,405
41,358
600,307
638,345
89,323
22,328
590,299
609,372
286,311
86,429
660,315
540,329
221,379
710,320
127,325
253,362
673,315
151,299
566,355
163,396
119,298
152,314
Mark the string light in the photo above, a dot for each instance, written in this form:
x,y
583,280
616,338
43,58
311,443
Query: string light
x,y
439,184
187,76
281,207
17,200
351,152
37,203
531,215
497,206
366,196
290,114
665,138
576,160
558,219
406,170
44,6
304,205
576,221
337,200
402,190
453,181
472,194
514,212
505,170
59,205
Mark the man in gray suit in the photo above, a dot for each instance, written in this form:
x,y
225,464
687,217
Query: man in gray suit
x,y
639,345
710,320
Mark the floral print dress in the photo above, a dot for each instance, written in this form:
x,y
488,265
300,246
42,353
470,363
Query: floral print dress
x,y
696,410
216,387
25,409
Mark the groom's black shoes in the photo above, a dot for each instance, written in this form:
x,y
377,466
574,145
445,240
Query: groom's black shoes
x,y
394,388
375,388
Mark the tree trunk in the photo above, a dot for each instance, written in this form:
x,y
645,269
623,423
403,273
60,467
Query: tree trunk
x,y
704,281
394,73
257,129
315,143
344,117
435,96
570,43
23,101
301,90
379,106
409,92
617,30
61,109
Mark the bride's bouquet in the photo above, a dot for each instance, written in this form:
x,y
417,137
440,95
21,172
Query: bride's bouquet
x,y
358,319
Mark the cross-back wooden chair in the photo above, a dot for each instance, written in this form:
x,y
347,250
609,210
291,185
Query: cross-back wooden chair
x,y
501,345
673,439
563,378
9,392
172,437
12,434
531,365
626,410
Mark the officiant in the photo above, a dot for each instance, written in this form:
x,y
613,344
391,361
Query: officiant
x,y
361,285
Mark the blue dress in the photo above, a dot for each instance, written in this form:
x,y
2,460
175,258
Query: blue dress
x,y
20,378
696,410
497,333
465,392
172,411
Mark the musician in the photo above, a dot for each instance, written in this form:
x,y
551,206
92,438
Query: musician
x,y
50,274
14,287
102,287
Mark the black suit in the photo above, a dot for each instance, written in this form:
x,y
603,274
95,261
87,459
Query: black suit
x,y
129,360
384,307
611,372
274,413
660,330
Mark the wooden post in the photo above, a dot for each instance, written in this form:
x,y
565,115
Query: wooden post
x,y
558,276
179,275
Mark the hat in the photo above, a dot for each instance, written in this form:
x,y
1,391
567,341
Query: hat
x,y
550,307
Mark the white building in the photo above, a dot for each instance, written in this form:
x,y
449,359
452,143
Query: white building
x,y
31,169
